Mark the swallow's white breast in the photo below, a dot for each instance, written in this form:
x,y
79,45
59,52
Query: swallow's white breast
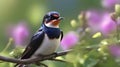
x,y
48,46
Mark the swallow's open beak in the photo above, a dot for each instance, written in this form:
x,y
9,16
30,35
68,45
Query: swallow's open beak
x,y
60,18
57,21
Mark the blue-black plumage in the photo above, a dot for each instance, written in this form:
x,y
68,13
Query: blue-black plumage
x,y
46,40
52,32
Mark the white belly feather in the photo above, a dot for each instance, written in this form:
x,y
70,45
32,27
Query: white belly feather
x,y
48,46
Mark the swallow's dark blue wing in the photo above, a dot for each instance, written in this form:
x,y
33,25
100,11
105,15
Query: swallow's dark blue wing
x,y
61,35
34,44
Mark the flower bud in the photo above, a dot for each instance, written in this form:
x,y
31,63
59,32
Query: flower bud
x,y
73,23
113,16
98,34
81,16
117,9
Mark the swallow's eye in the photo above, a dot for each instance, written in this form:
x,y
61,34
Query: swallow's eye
x,y
47,16
54,16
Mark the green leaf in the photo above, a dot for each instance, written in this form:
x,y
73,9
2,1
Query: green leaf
x,y
90,62
16,53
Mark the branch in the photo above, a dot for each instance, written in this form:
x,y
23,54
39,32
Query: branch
x,y
32,60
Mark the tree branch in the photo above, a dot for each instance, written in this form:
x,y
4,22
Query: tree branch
x,y
32,60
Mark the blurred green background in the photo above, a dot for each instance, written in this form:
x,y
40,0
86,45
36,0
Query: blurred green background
x,y
32,12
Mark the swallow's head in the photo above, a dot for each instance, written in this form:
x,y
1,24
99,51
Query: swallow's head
x,y
52,19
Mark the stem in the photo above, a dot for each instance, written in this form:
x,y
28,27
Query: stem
x,y
33,60
117,31
7,46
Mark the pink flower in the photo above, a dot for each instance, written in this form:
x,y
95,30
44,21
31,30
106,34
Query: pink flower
x,y
100,21
69,40
109,3
19,33
115,50
94,19
107,25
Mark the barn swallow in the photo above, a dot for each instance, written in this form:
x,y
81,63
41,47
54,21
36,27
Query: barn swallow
x,y
46,40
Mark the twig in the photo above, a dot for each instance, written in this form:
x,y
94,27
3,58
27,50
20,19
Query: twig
x,y
57,60
33,60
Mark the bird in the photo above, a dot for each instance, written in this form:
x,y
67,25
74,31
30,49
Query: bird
x,y
46,40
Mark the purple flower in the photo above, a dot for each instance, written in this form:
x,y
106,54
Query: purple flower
x,y
93,16
19,33
94,19
118,21
109,3
115,50
69,40
100,21
107,25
